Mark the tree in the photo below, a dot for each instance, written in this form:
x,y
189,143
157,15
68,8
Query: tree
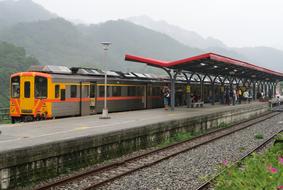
x,y
12,59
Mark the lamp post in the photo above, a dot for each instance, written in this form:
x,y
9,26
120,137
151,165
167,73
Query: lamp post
x,y
105,109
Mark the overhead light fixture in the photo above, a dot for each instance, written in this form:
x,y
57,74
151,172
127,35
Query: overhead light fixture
x,y
235,70
202,64
226,68
215,66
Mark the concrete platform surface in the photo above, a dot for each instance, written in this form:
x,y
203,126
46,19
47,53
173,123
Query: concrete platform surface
x,y
20,135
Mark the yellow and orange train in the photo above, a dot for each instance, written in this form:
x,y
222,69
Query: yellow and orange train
x,y
46,92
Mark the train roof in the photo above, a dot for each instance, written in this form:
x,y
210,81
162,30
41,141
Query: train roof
x,y
50,69
82,73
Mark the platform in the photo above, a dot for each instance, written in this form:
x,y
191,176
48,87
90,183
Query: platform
x,y
15,136
35,151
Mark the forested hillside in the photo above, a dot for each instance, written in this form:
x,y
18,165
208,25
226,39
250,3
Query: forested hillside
x,y
12,59
263,56
13,12
59,42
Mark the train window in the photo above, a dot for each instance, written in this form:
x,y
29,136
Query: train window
x,y
15,87
63,94
156,91
57,91
101,91
132,90
73,91
86,90
92,91
40,87
140,91
27,89
116,91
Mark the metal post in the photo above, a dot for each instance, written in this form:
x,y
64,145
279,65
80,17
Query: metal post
x,y
173,93
188,90
105,109
265,90
254,91
213,94
172,82
274,89
105,91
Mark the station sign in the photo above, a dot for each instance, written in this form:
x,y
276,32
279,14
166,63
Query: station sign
x,y
188,88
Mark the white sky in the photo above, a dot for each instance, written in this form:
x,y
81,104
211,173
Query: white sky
x,y
235,22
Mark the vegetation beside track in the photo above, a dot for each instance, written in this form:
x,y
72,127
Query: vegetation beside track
x,y
183,136
259,171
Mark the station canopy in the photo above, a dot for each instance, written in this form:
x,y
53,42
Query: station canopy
x,y
215,65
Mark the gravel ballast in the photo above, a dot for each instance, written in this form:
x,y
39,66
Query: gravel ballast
x,y
188,170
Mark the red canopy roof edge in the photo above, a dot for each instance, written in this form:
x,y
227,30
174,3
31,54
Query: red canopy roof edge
x,y
225,59
153,62
213,56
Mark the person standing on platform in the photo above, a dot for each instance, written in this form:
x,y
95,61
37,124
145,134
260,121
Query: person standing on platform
x,y
166,96
237,96
246,96
227,96
240,95
231,96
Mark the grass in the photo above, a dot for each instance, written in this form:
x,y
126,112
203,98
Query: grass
x,y
5,121
182,136
259,136
260,171
242,149
279,137
178,137
223,125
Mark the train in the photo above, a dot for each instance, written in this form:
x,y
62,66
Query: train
x,y
48,92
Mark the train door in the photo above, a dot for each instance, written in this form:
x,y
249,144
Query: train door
x,y
149,96
92,96
27,95
85,99
144,97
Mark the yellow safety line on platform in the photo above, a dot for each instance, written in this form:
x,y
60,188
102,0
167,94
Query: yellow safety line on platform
x,y
80,128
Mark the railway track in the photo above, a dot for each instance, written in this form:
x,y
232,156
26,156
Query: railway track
x,y
208,184
100,176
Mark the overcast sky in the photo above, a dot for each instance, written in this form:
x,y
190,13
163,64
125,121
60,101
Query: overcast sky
x,y
236,22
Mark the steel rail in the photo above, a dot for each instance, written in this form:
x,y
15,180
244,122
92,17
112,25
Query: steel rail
x,y
189,145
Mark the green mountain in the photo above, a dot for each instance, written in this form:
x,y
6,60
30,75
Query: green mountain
x,y
13,12
187,37
263,56
59,42
12,59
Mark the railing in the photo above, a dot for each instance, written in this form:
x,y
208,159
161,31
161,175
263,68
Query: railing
x,y
4,114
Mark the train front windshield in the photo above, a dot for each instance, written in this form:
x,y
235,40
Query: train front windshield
x,y
40,87
15,87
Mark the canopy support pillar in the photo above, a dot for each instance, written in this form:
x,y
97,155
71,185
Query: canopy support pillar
x,y
274,89
213,90
254,91
188,90
172,74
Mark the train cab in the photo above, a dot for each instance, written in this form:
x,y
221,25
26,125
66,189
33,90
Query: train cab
x,y
29,90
